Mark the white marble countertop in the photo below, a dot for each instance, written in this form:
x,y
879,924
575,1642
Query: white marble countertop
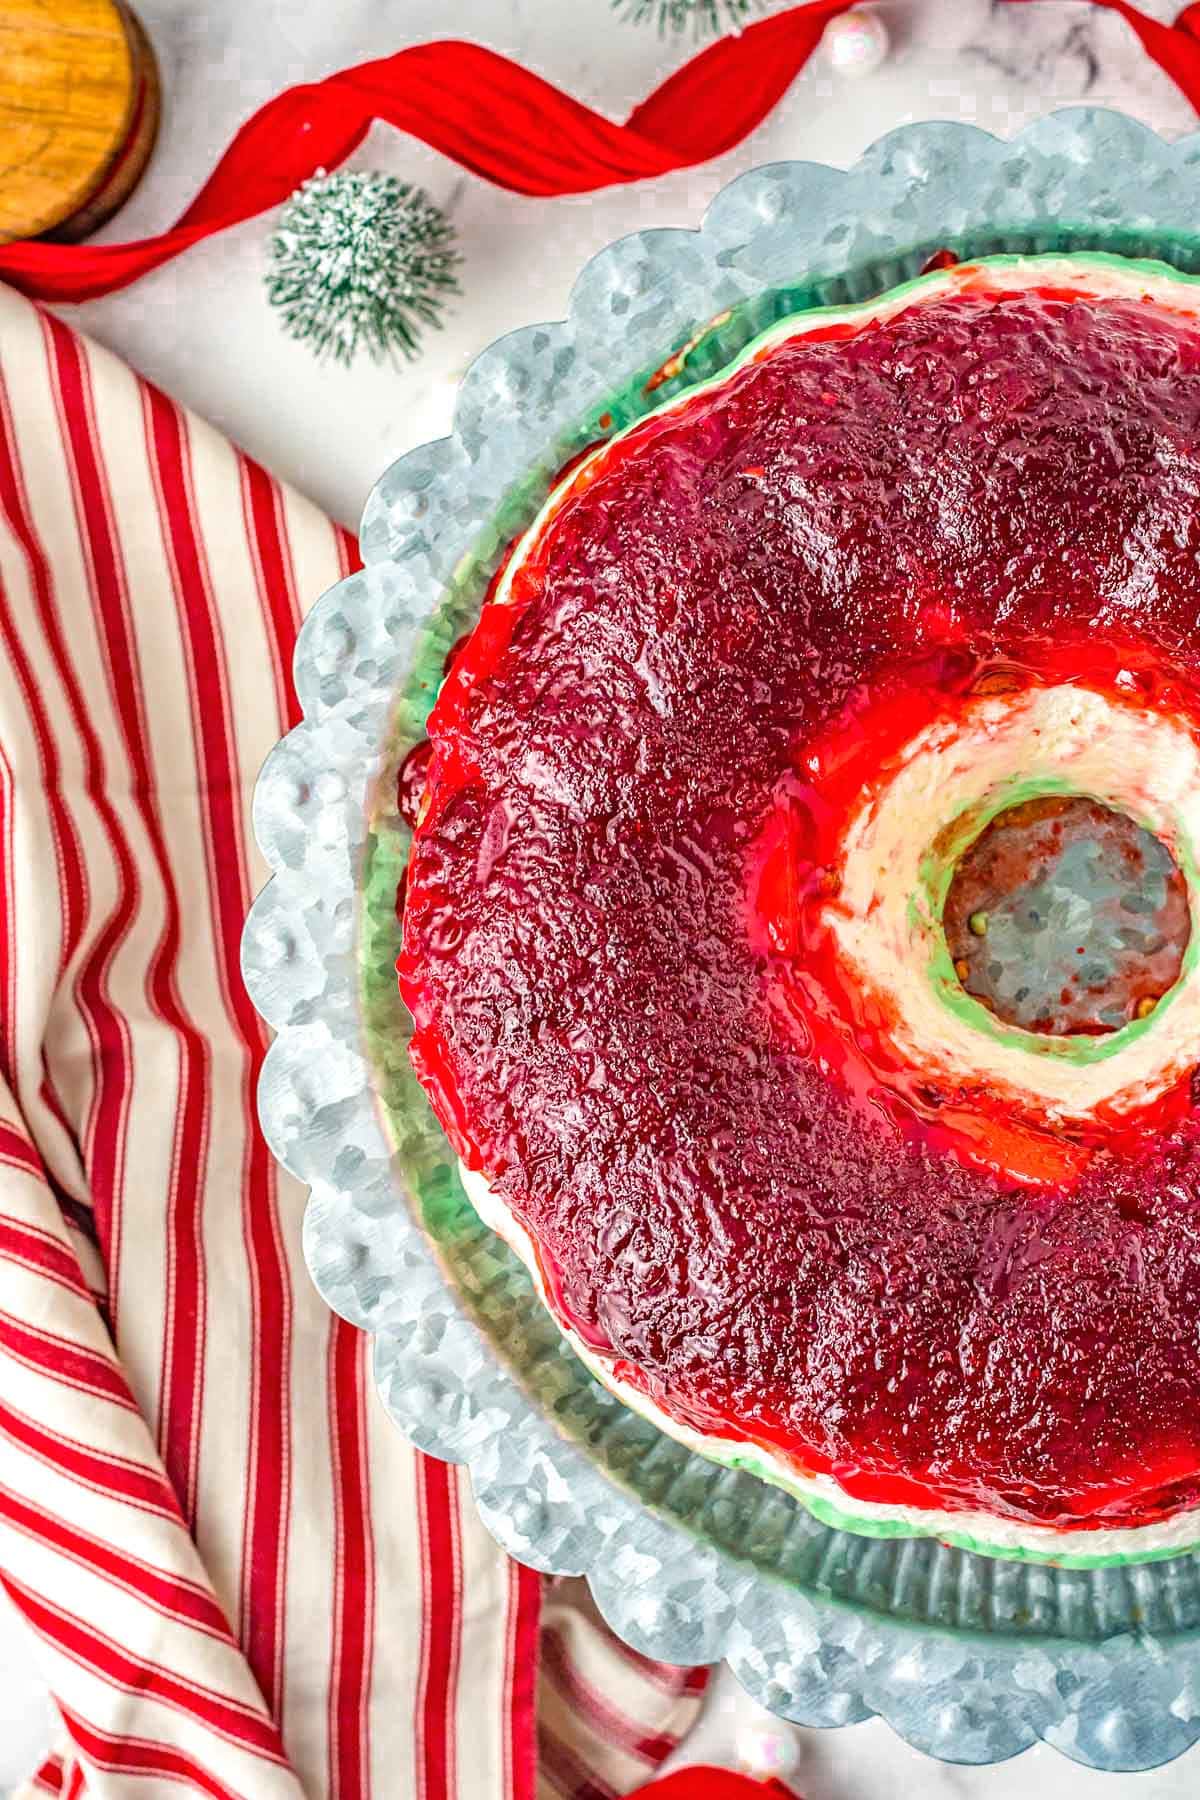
x,y
203,329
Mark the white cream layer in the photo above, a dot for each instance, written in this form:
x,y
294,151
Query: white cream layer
x,y
1136,761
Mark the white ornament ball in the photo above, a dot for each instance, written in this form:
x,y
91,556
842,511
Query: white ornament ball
x,y
856,42
767,1747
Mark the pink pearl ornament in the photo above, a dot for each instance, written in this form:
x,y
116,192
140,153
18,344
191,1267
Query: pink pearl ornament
x,y
767,1748
856,42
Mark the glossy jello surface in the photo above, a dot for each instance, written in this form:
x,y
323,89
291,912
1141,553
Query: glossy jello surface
x,y
619,929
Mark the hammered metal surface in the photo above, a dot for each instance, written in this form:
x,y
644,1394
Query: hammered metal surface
x,y
1066,916
970,1659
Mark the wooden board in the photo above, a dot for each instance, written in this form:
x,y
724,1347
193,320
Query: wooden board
x,y
78,113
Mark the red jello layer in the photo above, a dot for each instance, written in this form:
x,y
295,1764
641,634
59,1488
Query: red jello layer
x,y
772,1235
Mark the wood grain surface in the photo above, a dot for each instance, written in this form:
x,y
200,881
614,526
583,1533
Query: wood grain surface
x,y
78,113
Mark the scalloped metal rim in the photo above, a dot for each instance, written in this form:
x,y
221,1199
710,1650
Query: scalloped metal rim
x,y
1124,1702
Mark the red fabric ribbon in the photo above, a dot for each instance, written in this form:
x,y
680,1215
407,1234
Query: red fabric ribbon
x,y
501,122
704,1783
484,111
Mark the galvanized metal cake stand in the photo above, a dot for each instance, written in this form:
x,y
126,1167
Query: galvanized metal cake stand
x,y
970,1659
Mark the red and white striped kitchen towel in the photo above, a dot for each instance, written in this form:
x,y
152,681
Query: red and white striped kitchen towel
x,y
244,1582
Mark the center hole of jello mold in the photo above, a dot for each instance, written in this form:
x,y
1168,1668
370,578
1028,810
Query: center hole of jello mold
x,y
1065,916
